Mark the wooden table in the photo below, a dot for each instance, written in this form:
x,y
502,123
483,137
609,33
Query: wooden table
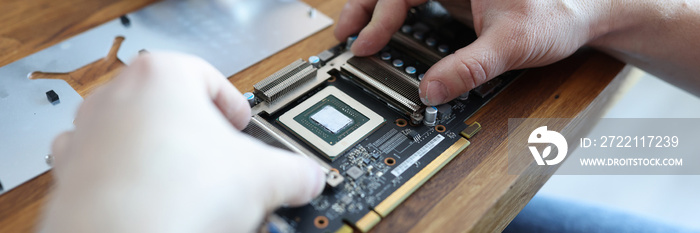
x,y
474,192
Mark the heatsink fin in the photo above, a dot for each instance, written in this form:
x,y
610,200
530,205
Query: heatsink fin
x,y
396,87
284,81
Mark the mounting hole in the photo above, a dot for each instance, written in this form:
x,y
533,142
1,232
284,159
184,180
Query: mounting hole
x,y
331,79
321,222
390,161
440,128
401,122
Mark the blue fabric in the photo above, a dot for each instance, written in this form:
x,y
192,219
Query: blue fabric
x,y
547,214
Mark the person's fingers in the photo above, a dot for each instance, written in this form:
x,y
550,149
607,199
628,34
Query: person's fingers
x,y
467,68
225,96
228,99
59,147
355,15
387,18
290,179
168,66
461,10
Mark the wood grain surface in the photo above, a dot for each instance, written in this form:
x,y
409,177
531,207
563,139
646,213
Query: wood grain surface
x,y
475,192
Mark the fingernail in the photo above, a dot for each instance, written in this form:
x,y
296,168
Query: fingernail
x,y
436,93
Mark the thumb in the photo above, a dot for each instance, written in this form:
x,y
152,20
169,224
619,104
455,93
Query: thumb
x,y
292,180
464,70
59,149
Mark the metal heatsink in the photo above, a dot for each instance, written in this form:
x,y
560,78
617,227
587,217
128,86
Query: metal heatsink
x,y
398,88
285,80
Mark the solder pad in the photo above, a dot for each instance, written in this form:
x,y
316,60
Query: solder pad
x,y
353,121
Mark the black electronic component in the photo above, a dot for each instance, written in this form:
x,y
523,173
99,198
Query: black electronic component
x,y
331,53
125,21
53,97
325,56
487,88
444,111
413,135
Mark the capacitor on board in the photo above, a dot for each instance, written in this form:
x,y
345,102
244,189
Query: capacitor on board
x,y
315,61
349,42
430,116
250,98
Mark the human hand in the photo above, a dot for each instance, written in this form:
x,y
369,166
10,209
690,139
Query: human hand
x,y
157,150
512,34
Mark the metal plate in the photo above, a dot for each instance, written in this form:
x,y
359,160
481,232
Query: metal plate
x,y
230,34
